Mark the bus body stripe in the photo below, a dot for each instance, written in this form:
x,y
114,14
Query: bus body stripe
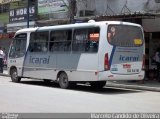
x,y
112,53
25,55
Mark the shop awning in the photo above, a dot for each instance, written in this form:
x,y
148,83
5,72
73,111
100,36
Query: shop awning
x,y
7,1
130,16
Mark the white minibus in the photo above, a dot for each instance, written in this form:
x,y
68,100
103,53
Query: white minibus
x,y
92,52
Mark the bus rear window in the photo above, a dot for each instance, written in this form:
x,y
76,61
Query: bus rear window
x,y
125,35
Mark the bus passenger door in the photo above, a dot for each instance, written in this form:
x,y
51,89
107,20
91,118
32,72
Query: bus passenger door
x,y
39,63
17,52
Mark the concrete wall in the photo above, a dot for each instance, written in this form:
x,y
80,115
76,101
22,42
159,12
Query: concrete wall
x,y
104,7
114,7
85,5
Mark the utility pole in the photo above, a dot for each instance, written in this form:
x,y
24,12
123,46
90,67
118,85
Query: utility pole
x,y
28,2
72,10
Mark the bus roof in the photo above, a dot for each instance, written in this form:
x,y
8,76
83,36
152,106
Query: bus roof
x,y
76,25
27,30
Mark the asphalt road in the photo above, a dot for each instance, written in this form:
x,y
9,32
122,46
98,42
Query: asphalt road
x,y
36,96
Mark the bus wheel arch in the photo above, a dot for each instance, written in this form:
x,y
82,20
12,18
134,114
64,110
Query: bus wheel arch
x,y
14,74
63,81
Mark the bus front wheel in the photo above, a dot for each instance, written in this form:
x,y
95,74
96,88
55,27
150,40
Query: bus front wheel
x,y
63,80
14,75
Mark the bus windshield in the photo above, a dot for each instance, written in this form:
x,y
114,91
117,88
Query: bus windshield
x,y
18,46
125,35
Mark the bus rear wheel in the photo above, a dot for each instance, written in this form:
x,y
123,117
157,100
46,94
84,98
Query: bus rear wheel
x,y
63,80
14,75
98,84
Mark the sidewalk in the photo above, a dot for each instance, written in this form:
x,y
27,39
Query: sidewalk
x,y
148,85
5,73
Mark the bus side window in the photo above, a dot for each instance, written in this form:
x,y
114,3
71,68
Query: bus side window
x,y
68,40
34,47
51,44
60,40
39,42
86,40
80,39
92,46
31,47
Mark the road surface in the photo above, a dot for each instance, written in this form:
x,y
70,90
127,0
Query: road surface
x,y
35,96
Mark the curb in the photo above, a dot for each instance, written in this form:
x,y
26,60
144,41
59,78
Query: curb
x,y
146,88
7,75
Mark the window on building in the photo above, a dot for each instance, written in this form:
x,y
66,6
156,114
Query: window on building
x,y
4,8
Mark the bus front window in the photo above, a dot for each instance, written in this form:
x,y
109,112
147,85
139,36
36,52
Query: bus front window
x,y
18,47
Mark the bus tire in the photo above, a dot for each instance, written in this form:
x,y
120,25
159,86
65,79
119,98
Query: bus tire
x,y
98,84
14,75
63,80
